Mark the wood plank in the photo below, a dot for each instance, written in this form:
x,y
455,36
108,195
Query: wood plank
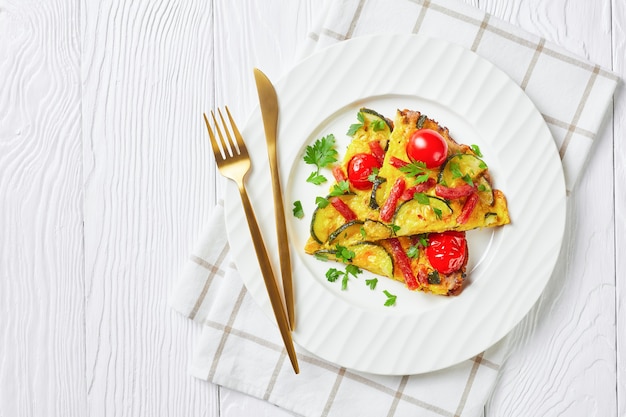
x,y
42,340
619,155
566,363
147,76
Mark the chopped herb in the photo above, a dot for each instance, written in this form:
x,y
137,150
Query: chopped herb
x,y
321,202
373,176
316,178
333,274
412,252
438,212
394,228
340,188
371,283
433,277
378,125
353,270
321,154
423,238
476,150
391,299
467,179
344,282
297,209
363,234
356,126
417,170
344,254
482,165
421,198
455,170
481,187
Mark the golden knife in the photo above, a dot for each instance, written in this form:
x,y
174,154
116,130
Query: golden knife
x,y
269,111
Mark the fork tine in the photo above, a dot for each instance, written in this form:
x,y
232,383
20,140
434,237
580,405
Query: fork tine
x,y
227,148
214,145
240,143
230,139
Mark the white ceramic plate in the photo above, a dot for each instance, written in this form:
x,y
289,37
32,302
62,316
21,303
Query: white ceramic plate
x,y
509,266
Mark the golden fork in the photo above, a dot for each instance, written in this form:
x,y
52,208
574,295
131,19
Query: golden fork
x,y
234,163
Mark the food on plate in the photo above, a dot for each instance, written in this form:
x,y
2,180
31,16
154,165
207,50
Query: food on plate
x,y
404,194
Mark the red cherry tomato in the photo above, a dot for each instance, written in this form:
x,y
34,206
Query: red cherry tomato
x,y
427,146
359,168
447,251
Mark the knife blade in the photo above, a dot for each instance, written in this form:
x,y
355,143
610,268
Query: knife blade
x,y
269,112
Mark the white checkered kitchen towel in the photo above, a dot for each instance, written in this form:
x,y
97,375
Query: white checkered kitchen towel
x,y
240,348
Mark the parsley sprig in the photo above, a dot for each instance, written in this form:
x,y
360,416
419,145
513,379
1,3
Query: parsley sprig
x,y
344,255
416,169
356,126
321,154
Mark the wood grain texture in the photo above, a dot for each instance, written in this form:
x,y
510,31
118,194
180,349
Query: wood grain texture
x,y
567,345
147,77
106,179
619,155
42,343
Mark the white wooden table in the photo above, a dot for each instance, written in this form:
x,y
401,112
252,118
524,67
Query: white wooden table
x,y
105,181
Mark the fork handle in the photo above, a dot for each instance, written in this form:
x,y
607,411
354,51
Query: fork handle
x,y
269,278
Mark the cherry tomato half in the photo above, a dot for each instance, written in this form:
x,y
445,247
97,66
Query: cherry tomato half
x,y
427,146
447,251
359,168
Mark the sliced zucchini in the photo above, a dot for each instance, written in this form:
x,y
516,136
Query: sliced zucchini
x,y
460,168
373,257
349,232
374,196
326,220
376,120
376,230
485,192
412,214
491,219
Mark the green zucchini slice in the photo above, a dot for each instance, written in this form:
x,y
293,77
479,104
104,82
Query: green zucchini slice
x,y
349,232
461,168
367,255
412,213
326,220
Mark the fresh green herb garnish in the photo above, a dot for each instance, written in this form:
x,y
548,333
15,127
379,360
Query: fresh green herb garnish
x,y
333,274
363,233
476,150
371,283
438,212
316,178
356,126
391,299
468,179
482,165
373,176
423,238
321,202
297,209
344,254
481,187
416,169
353,270
378,125
412,252
433,278
455,170
340,188
421,198
321,154
394,228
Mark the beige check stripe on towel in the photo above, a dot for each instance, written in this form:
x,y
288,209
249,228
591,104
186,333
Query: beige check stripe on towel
x,y
240,347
